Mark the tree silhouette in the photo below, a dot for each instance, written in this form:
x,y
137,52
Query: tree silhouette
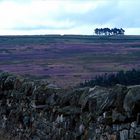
x,y
107,31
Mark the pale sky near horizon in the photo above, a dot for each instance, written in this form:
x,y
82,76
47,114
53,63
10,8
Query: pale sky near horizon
x,y
25,17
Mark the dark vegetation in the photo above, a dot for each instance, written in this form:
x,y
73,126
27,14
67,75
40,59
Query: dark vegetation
x,y
130,77
107,31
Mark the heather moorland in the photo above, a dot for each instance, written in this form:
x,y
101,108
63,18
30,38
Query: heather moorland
x,y
69,59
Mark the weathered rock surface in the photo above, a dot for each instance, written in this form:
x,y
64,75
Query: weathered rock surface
x,y
132,101
34,110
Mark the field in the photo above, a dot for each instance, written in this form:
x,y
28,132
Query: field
x,y
68,60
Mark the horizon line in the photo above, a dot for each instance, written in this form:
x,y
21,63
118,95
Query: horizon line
x,y
65,35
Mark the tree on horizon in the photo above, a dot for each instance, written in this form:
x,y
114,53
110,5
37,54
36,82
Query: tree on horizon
x,y
108,31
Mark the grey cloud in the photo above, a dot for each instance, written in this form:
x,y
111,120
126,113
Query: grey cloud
x,y
116,13
41,27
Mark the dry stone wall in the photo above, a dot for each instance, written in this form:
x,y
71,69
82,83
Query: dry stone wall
x,y
36,110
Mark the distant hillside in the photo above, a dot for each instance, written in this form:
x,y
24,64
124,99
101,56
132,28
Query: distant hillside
x,y
56,38
67,60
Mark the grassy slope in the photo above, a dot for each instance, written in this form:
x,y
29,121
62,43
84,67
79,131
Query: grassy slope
x,y
68,59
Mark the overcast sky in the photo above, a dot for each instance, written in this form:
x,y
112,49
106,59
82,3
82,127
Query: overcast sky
x,y
68,16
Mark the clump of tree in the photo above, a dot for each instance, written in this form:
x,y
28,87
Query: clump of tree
x,y
130,77
107,31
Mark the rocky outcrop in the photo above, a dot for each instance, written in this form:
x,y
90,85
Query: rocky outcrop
x,y
132,101
34,110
